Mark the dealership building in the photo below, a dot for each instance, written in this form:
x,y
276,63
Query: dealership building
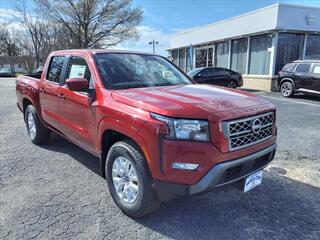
x,y
257,44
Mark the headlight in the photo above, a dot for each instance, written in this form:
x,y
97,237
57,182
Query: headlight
x,y
185,129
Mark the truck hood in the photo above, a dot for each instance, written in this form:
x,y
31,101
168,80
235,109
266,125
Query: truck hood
x,y
189,101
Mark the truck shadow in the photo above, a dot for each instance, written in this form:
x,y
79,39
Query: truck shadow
x,y
307,97
59,144
279,209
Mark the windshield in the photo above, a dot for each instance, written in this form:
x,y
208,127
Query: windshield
x,y
125,70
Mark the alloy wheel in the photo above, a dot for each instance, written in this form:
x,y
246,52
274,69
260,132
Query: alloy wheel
x,y
125,180
286,89
31,126
231,84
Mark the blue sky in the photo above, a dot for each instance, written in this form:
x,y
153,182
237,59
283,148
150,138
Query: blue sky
x,y
164,18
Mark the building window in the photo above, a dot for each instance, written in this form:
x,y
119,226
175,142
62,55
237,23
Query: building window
x,y
174,55
312,48
260,54
210,57
222,54
182,59
289,49
189,59
239,55
201,57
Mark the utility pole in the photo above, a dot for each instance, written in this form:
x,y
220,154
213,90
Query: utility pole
x,y
153,45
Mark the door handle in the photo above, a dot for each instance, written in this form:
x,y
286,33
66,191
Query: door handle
x,y
61,96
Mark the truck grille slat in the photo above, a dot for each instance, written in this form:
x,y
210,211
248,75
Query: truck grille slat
x,y
245,132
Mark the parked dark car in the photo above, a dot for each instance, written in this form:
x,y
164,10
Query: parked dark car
x,y
300,76
36,74
7,72
216,76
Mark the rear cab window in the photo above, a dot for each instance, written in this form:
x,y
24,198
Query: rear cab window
x,y
303,67
55,69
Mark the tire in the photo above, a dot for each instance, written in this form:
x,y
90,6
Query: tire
x,y
37,133
287,89
231,84
144,198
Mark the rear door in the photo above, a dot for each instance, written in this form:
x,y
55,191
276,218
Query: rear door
x,y
302,76
48,91
76,108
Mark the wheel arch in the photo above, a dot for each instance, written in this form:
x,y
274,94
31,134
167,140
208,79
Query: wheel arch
x,y
109,136
25,103
287,79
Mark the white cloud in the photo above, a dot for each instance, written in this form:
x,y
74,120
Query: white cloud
x,y
147,34
8,16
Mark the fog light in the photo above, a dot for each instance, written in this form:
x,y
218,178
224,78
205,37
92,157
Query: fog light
x,y
185,166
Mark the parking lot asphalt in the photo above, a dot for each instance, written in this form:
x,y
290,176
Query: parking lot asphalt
x,y
55,192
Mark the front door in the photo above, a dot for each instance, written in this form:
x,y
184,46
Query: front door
x,y
48,92
76,107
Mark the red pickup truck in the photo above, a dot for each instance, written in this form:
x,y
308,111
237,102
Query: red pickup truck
x,y
157,133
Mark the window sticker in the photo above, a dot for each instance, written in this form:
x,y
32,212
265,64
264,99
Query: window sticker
x,y
77,71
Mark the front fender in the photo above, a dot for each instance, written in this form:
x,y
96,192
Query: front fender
x,y
130,130
287,80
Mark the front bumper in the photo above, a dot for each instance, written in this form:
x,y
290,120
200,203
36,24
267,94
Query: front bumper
x,y
220,174
240,82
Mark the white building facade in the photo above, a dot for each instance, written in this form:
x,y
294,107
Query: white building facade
x,y
257,44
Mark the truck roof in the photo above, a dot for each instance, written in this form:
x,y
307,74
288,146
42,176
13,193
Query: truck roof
x,y
95,51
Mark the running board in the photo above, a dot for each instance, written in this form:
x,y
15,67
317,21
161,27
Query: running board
x,y
307,90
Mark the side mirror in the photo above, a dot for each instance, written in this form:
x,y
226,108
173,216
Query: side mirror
x,y
77,84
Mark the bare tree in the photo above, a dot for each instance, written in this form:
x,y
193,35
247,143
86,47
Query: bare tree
x,y
95,23
35,22
7,42
27,52
3,37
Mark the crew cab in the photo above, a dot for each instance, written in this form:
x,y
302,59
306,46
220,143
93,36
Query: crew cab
x,y
157,134
300,76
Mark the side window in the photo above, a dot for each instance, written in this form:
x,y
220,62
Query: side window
x,y
218,71
78,67
303,67
211,72
289,67
55,67
204,73
316,69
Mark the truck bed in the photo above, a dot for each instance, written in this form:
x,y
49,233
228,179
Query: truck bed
x,y
27,89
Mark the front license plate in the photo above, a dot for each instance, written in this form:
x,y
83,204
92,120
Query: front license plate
x,y
252,181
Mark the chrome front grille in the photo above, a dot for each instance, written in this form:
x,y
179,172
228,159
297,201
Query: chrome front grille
x,y
245,132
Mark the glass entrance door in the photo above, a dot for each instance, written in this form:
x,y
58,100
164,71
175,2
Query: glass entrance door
x,y
203,57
